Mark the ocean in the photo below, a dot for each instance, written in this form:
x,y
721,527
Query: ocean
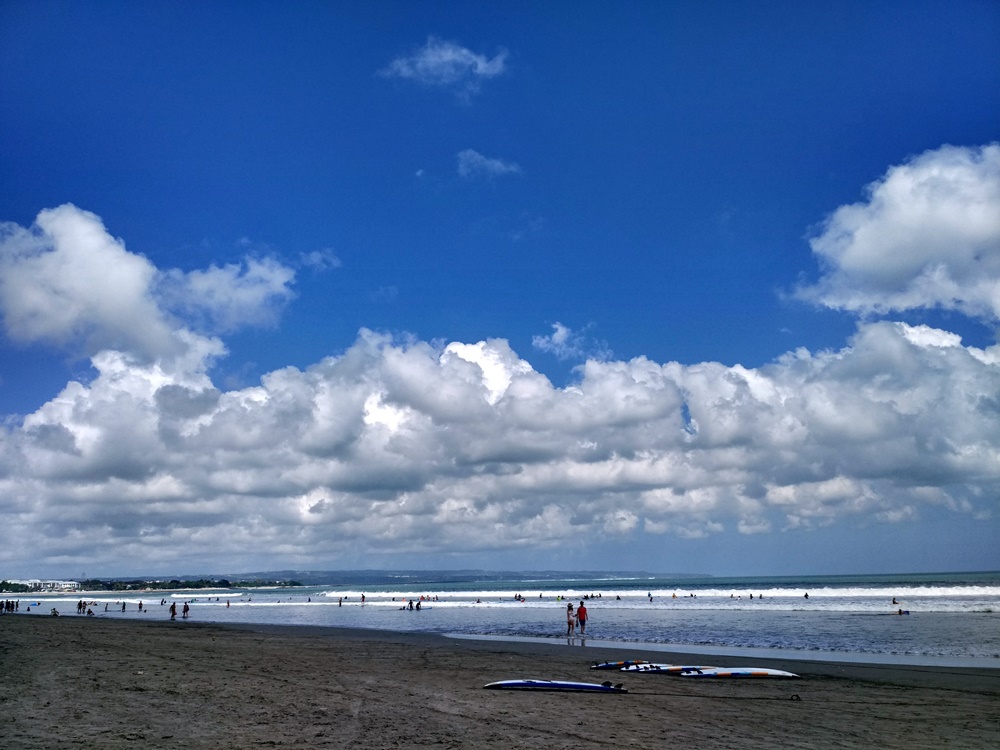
x,y
951,619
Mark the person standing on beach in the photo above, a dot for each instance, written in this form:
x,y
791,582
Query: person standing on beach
x,y
173,610
570,620
581,617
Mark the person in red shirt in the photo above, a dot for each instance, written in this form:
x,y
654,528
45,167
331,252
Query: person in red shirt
x,y
581,617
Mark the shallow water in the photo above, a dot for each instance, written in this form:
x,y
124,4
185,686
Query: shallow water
x,y
953,617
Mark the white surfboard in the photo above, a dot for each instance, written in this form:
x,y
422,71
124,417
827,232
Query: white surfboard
x,y
663,668
738,672
617,664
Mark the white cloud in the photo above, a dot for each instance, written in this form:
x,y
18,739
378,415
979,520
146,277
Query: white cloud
x,y
497,363
320,260
400,445
67,281
474,164
562,342
447,65
927,236
230,297
566,343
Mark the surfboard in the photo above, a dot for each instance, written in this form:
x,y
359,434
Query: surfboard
x,y
738,672
616,664
563,685
663,668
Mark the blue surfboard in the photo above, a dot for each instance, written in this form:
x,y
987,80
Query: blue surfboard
x,y
557,685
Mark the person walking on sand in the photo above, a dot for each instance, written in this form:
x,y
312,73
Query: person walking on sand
x,y
581,617
173,610
570,620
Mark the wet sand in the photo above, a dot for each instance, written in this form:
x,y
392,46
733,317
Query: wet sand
x,y
75,681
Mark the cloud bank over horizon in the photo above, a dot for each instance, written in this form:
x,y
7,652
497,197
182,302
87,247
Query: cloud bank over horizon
x,y
397,445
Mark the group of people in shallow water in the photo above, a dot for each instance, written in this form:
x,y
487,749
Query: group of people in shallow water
x,y
11,606
83,607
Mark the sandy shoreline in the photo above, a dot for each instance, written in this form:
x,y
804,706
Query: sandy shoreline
x,y
74,681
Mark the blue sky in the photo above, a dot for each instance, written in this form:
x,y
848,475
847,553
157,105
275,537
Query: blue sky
x,y
684,287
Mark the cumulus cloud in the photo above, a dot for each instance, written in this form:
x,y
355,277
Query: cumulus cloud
x,y
928,236
448,65
398,445
561,342
230,297
568,344
66,281
473,164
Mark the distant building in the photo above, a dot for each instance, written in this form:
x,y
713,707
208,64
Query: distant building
x,y
36,584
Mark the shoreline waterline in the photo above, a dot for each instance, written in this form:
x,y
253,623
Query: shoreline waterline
x,y
944,619
826,657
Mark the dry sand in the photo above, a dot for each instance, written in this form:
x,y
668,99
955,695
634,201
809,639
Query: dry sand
x,y
89,682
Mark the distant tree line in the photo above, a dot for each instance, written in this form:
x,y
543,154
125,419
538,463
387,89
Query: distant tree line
x,y
94,584
14,588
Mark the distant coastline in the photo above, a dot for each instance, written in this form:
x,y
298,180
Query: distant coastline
x,y
293,578
94,585
391,577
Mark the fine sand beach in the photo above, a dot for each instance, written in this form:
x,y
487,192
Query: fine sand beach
x,y
74,681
